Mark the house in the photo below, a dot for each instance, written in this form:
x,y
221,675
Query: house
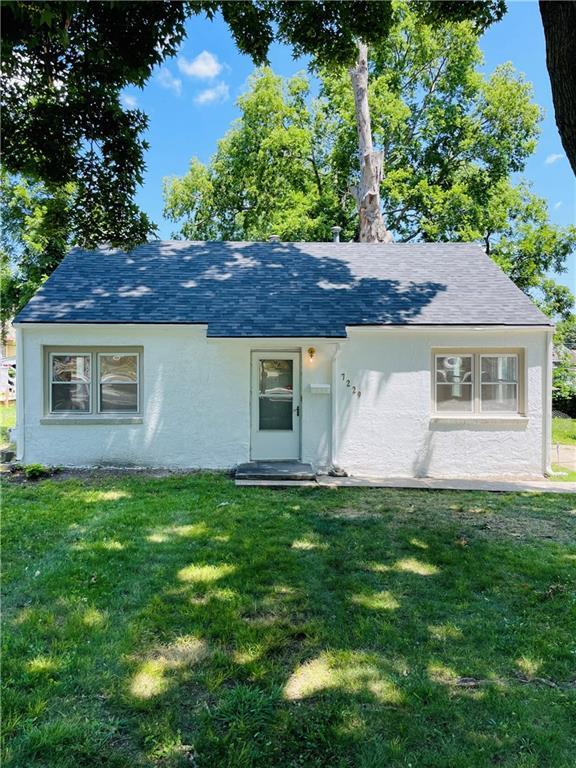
x,y
8,343
393,360
7,364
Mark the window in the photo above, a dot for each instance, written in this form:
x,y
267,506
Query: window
x,y
499,383
101,382
276,393
454,383
477,383
118,382
70,383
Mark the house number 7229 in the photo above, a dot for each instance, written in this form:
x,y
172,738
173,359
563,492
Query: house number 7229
x,y
354,390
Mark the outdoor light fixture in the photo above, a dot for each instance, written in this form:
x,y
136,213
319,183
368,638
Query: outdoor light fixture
x,y
311,353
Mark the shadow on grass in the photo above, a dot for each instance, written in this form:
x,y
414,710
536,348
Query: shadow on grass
x,y
185,621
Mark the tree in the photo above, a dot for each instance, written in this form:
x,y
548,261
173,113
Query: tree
x,y
65,64
452,141
564,372
270,173
367,192
564,380
559,21
566,332
34,236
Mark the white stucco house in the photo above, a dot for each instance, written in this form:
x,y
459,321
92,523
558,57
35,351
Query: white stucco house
x,y
394,360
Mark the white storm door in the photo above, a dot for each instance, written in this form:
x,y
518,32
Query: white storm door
x,y
275,421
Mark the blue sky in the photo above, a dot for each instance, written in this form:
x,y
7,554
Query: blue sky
x,y
191,102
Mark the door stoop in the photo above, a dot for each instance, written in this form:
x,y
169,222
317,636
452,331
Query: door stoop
x,y
275,470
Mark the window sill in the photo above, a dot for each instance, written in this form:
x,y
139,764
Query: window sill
x,y
516,418
103,421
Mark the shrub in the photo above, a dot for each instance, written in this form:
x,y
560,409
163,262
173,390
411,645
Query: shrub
x,y
565,406
36,471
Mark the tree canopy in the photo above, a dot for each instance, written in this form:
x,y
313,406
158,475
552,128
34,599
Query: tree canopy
x,y
270,174
453,141
75,154
66,62
35,233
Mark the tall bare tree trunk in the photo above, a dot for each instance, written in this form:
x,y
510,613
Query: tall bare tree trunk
x,y
559,21
372,227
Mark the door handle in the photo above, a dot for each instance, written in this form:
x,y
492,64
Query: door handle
x,y
297,409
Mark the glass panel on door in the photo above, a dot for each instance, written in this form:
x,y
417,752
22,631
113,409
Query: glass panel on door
x,y
276,380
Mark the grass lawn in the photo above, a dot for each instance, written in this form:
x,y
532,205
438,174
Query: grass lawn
x,y
566,475
182,621
7,420
564,431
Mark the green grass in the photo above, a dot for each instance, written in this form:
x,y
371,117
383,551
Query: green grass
x,y
567,475
564,431
185,622
7,420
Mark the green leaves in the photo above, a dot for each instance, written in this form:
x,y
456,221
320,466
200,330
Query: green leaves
x,y
35,235
452,139
64,64
270,174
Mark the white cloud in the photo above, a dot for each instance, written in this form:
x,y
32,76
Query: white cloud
x,y
129,101
216,95
557,205
205,66
553,159
168,81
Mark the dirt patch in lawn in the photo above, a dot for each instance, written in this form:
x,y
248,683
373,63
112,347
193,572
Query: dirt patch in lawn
x,y
521,525
96,474
353,513
485,522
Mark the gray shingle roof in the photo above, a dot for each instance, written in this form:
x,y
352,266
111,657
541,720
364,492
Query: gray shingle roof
x,y
282,289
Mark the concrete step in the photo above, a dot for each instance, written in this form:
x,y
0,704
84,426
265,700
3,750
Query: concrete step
x,y
276,483
275,470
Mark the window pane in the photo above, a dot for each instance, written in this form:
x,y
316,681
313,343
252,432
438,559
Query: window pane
x,y
71,368
454,397
119,368
70,397
276,377
500,368
275,413
499,397
453,368
118,397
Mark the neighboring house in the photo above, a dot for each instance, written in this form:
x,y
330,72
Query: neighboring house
x,y
8,364
8,344
394,360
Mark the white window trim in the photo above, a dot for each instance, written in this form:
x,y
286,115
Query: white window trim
x,y
137,382
51,381
477,414
516,383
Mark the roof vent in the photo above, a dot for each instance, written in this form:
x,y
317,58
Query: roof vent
x,y
274,238
336,234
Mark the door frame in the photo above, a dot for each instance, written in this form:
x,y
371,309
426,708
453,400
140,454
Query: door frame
x,y
271,351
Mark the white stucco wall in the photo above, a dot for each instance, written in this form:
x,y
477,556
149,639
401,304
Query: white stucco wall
x,y
391,430
196,400
196,404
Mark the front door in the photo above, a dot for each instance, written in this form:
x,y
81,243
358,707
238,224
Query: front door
x,y
275,406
